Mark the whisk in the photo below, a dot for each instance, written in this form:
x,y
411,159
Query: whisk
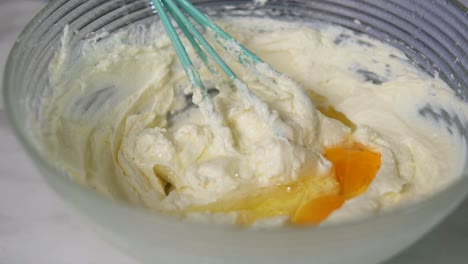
x,y
202,48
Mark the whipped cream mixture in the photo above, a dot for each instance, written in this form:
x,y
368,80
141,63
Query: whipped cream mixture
x,y
120,120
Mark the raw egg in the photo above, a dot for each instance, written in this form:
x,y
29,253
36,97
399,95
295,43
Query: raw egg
x,y
310,199
355,168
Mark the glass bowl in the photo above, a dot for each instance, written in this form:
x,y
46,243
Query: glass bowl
x,y
432,33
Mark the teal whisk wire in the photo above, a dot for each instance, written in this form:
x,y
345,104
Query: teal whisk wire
x,y
176,12
198,42
194,44
180,49
206,23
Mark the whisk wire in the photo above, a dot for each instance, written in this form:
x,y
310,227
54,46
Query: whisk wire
x,y
233,47
200,52
176,12
220,34
179,47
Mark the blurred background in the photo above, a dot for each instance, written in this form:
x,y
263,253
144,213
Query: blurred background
x,y
36,227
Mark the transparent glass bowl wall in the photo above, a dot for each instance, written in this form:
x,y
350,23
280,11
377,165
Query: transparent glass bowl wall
x,y
432,33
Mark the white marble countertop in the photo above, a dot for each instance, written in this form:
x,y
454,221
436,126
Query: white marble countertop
x,y
37,227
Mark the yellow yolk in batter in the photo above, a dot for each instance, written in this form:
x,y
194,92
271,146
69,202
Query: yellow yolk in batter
x,y
355,168
310,199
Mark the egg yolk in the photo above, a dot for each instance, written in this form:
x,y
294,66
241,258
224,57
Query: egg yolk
x,y
310,199
355,168
263,203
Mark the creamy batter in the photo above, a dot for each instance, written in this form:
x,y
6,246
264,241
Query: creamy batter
x,y
120,121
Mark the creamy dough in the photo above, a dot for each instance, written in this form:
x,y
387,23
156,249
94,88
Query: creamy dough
x,y
118,119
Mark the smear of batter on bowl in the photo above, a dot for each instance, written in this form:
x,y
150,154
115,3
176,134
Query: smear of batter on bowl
x,y
120,120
